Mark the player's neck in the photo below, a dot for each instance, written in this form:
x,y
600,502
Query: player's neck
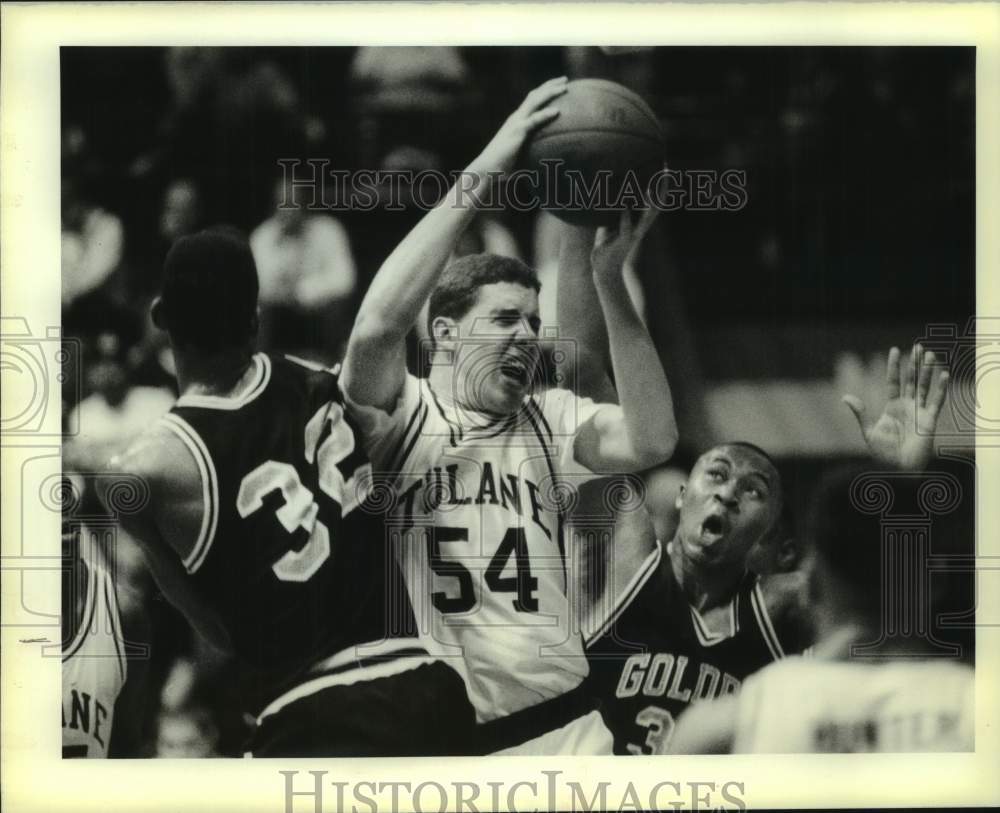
x,y
704,588
221,374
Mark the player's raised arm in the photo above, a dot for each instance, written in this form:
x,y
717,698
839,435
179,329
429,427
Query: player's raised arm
x,y
903,435
642,431
577,309
374,367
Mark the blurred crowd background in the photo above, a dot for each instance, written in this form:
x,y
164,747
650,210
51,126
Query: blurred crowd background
x,y
858,233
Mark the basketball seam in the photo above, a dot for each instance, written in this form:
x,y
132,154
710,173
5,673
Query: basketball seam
x,y
629,96
543,136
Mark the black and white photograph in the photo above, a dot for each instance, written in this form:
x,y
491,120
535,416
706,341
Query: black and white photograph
x,y
487,400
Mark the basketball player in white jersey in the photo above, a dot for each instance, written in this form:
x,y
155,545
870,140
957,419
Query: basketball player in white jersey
x,y
476,458
835,701
104,651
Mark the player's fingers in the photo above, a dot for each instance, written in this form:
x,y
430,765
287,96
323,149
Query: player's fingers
x,y
892,374
909,374
625,223
938,391
926,362
543,94
540,117
649,216
857,406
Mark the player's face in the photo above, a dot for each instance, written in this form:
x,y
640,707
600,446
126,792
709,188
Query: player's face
x,y
729,502
496,349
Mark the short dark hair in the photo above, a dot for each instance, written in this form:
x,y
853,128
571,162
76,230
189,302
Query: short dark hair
x,y
459,285
208,299
753,447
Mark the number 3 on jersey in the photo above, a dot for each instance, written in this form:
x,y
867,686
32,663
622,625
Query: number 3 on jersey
x,y
660,725
299,508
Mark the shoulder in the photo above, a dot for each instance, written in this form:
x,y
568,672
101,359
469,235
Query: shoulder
x,y
566,410
786,600
385,429
158,458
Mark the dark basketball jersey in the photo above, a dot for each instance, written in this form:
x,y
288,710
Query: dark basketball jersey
x,y
289,553
654,655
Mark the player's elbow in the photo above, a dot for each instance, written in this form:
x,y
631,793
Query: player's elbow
x,y
373,331
655,451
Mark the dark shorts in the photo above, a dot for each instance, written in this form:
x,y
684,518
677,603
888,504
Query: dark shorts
x,y
420,712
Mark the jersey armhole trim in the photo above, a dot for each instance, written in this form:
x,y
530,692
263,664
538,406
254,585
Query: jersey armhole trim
x,y
764,622
111,606
452,426
315,366
209,485
541,416
414,430
553,473
635,584
87,616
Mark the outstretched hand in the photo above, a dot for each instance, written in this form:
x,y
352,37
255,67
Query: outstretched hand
x,y
611,249
903,435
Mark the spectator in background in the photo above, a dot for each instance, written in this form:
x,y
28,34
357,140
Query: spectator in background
x,y
186,733
92,244
177,208
231,110
183,210
421,91
307,278
115,411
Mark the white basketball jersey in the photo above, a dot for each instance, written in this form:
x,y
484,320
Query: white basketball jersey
x,y
93,669
804,705
479,535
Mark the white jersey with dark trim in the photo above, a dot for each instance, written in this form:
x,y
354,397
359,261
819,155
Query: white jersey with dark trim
x,y
93,667
808,705
479,528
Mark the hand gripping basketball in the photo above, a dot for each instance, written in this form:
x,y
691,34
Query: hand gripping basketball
x,y
502,151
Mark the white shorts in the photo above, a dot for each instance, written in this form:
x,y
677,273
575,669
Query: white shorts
x,y
584,736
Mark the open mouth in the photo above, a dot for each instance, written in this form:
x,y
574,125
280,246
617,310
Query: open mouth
x,y
514,371
714,528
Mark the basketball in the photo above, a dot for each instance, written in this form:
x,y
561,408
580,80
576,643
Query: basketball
x,y
602,149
